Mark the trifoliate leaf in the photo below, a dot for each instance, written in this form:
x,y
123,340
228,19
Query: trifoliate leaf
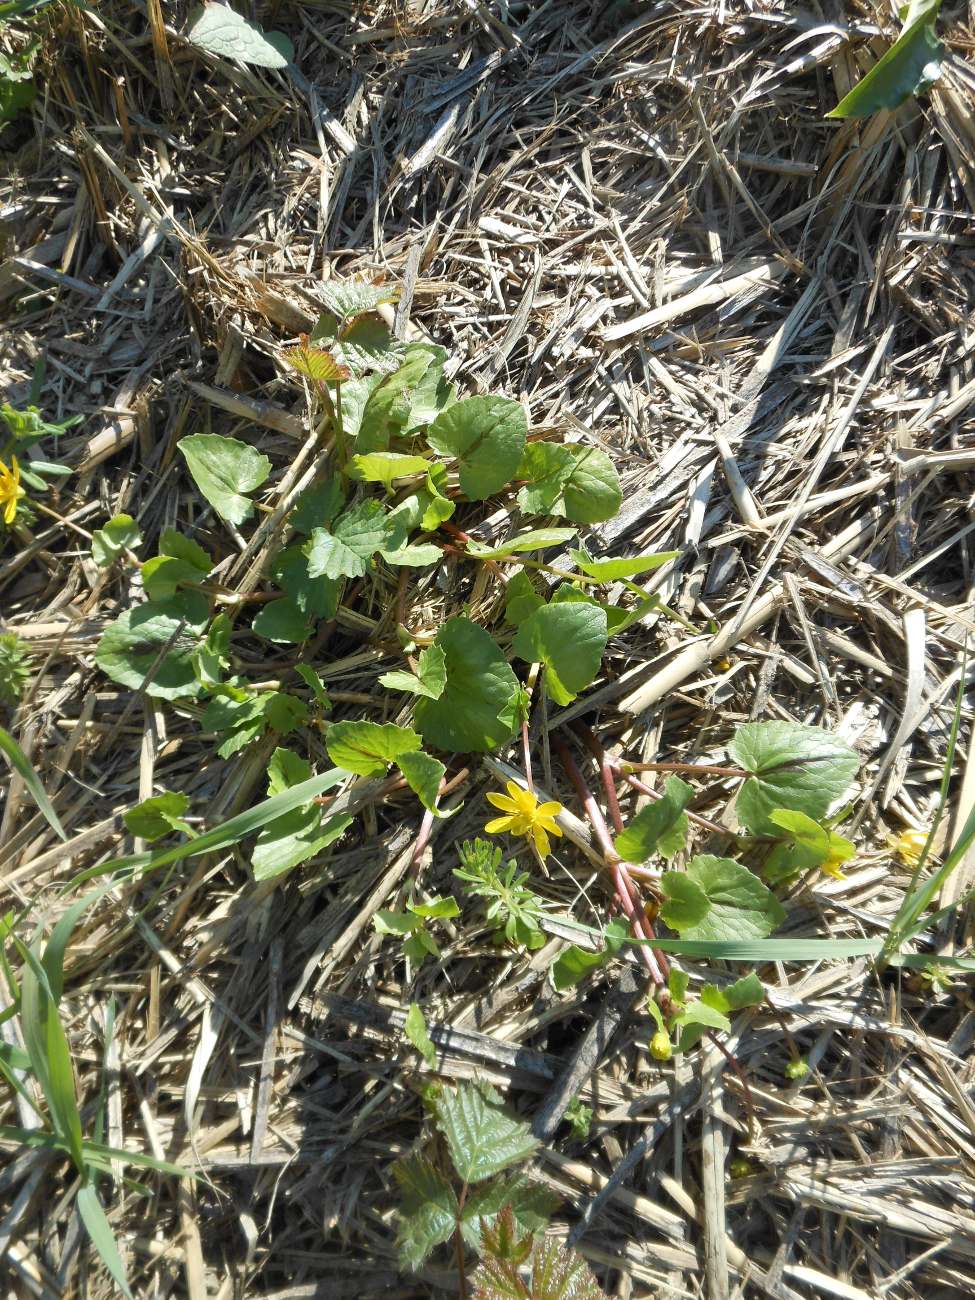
x,y
299,835
415,1029
479,709
428,1210
158,816
482,1136
486,436
537,540
224,469
660,827
429,679
346,551
368,748
119,534
424,774
173,629
718,899
222,31
569,639
802,769
283,622
387,466
614,570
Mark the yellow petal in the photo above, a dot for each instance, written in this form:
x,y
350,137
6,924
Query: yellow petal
x,y
10,510
541,841
502,801
831,868
550,809
497,824
548,824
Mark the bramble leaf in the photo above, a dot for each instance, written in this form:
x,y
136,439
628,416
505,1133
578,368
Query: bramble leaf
x,y
486,436
530,1204
224,469
317,506
557,1274
317,364
353,297
569,639
368,748
482,1136
387,407
480,706
346,551
428,1213
660,827
220,30
802,769
718,899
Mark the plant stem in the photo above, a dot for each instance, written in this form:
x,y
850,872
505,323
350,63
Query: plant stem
x,y
694,769
459,1246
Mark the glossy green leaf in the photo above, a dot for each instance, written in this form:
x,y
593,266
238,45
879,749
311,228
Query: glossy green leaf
x,y
486,436
428,1210
131,646
354,539
283,622
802,769
614,570
368,748
423,773
482,1136
479,709
161,815
578,482
353,297
415,1029
809,845
387,466
119,534
569,639
718,899
531,1205
225,470
660,827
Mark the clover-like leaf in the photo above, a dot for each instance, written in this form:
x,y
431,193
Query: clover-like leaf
x,y
220,30
368,748
225,469
480,706
804,769
569,639
486,436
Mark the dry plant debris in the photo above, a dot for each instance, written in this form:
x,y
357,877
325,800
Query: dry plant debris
x,y
636,220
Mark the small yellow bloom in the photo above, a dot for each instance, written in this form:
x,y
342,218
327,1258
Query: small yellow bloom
x,y
10,490
831,867
525,816
909,846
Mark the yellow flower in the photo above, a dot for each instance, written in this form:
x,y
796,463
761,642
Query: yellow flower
x,y
661,1048
831,867
909,846
10,489
525,816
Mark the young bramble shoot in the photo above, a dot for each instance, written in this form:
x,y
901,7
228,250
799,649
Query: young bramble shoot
x,y
525,816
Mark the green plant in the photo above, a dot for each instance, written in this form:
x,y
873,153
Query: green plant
x,y
910,66
579,1118
513,908
412,926
461,1193
14,668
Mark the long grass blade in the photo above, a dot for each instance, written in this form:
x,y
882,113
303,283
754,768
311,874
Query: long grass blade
x,y
102,1237
768,949
50,1058
22,766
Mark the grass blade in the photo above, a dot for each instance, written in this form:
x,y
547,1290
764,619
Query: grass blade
x,y
102,1237
769,949
22,766
50,1058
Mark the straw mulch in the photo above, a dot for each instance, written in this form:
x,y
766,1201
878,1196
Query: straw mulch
x,y
636,218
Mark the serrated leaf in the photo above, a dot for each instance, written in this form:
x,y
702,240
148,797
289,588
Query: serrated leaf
x,y
283,622
346,551
483,1138
530,1204
660,827
387,408
520,599
557,1274
366,344
316,364
415,1029
119,534
479,709
569,639
749,991
352,297
501,1241
131,645
912,63
614,570
387,466
802,769
299,834
538,539
220,30
486,436
225,469
368,748
429,1210
161,815
718,899
429,679
424,774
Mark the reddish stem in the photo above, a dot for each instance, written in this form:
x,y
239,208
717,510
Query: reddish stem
x,y
695,769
